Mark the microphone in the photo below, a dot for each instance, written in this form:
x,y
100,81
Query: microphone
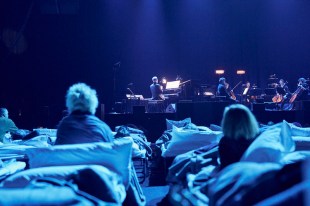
x,y
130,91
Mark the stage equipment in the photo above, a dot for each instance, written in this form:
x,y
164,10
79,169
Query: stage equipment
x,y
219,71
240,72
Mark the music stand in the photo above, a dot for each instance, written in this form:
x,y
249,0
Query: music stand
x,y
255,92
173,85
270,91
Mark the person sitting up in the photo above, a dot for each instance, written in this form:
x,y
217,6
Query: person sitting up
x,y
224,90
156,90
81,125
6,124
240,129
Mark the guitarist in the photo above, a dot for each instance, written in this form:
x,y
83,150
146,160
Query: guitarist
x,y
223,90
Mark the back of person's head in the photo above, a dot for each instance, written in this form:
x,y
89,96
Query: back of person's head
x,y
155,79
222,80
4,112
239,122
81,97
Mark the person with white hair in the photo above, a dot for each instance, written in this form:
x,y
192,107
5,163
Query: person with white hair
x,y
6,124
240,128
156,90
81,125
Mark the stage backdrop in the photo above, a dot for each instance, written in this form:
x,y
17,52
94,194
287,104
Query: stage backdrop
x,y
115,44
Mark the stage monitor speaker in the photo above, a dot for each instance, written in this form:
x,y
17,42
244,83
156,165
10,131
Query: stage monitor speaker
x,y
171,108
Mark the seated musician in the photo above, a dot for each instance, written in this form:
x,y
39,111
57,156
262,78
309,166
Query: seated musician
x,y
283,93
156,90
282,89
223,89
303,89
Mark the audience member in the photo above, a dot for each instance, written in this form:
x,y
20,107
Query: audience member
x,y
6,124
81,125
240,128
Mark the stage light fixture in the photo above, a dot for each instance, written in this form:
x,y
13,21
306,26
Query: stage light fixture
x,y
240,71
219,71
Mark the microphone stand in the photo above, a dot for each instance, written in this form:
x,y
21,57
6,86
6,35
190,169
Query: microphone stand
x,y
115,67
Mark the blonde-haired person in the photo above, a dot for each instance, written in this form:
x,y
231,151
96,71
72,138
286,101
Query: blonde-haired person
x,y
240,128
81,125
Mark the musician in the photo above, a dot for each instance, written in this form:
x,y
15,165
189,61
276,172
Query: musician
x,y
246,92
283,93
156,90
223,89
282,89
303,89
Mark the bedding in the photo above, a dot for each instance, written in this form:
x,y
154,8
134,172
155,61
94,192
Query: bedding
x,y
184,140
108,185
269,166
100,153
271,145
180,123
115,156
140,146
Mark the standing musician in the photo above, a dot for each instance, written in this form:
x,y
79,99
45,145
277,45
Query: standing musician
x,y
223,89
246,92
156,90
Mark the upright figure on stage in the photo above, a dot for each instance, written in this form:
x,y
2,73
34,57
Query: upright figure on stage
x,y
302,89
156,90
283,89
223,89
283,93
246,93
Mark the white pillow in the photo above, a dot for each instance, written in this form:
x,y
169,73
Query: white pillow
x,y
271,145
180,123
185,140
115,156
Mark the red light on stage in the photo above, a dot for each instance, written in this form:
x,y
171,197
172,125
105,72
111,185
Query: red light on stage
x,y
219,71
240,71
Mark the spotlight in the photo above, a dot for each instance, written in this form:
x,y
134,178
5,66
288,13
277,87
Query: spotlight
x,y
219,71
240,71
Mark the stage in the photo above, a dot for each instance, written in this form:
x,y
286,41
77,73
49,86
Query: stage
x,y
201,113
